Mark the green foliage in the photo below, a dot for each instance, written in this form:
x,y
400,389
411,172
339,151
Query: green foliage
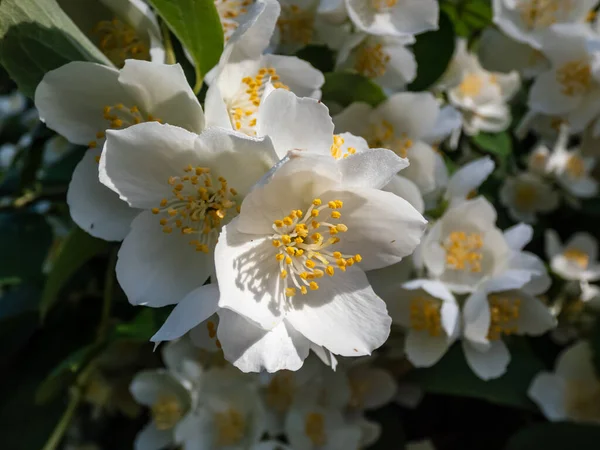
x,y
196,24
433,52
320,56
345,88
37,36
556,436
469,16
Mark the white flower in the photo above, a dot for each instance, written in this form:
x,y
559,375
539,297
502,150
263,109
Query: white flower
x,y
430,314
571,88
527,20
573,171
293,260
527,194
370,387
82,100
500,308
127,29
538,161
572,391
480,95
188,186
577,259
467,179
393,17
384,59
229,414
401,123
528,61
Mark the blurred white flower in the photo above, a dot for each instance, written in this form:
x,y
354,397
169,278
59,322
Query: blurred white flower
x,y
526,195
466,180
572,171
577,259
572,391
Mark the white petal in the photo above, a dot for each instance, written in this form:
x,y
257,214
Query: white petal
x,y
535,318
407,190
204,335
158,269
252,349
548,392
295,123
553,245
469,177
412,113
371,169
518,236
490,364
195,308
151,438
546,96
216,109
353,119
584,242
94,207
149,385
575,364
477,317
423,350
344,315
298,75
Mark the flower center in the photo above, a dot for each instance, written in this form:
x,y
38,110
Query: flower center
x,y
166,412
383,5
212,331
425,315
231,427
471,85
463,251
577,257
583,403
337,148
229,11
358,390
525,196
120,41
542,13
575,167
382,135
296,25
243,106
280,391
504,311
314,428
304,254
371,60
198,206
575,78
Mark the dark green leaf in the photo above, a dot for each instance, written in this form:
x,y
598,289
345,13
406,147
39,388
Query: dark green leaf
x,y
37,36
433,51
320,56
346,88
78,248
143,326
197,25
453,376
498,144
556,436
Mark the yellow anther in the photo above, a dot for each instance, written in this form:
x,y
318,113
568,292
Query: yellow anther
x,y
425,315
310,264
278,223
463,251
336,214
341,228
290,292
284,274
155,210
288,221
357,258
330,271
288,260
286,239
504,312
303,290
279,256
276,243
316,202
337,255
313,285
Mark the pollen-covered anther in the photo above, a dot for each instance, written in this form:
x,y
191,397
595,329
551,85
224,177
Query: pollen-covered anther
x,y
425,315
463,251
383,135
296,25
504,314
198,206
119,41
577,257
372,60
575,78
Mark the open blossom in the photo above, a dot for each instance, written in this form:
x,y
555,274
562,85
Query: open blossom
x,y
526,195
82,100
294,274
577,259
127,29
571,391
527,20
187,186
393,17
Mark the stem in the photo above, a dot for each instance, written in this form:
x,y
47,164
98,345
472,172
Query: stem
x,y
65,420
170,53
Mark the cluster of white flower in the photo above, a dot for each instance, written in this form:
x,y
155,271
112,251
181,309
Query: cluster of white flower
x,y
277,229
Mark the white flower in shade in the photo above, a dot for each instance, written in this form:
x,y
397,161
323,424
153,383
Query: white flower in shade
x,y
464,247
500,307
538,161
466,180
572,391
528,61
310,426
571,88
229,414
393,17
384,59
527,20
526,195
572,171
370,387
430,314
121,29
82,100
401,124
188,186
294,259
480,96
577,259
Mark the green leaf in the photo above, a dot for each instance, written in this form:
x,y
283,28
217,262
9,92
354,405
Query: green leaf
x,y
346,88
498,144
320,56
433,51
556,436
469,17
143,326
78,248
37,36
452,376
197,25
24,242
